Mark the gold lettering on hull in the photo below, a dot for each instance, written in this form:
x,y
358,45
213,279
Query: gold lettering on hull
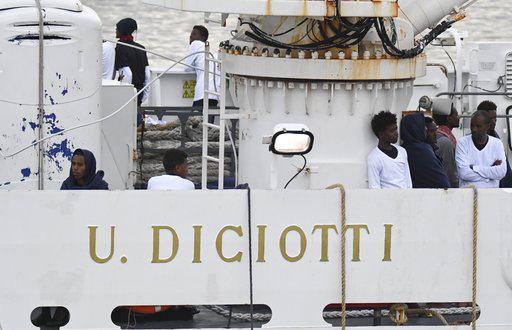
x,y
303,243
325,240
218,243
92,245
156,244
356,243
197,244
324,229
261,243
387,242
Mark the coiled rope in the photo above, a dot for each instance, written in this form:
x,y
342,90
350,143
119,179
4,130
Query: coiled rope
x,y
359,313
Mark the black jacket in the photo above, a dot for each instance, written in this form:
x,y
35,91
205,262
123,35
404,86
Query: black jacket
x,y
426,169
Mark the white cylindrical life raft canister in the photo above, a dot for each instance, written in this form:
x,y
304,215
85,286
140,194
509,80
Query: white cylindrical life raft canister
x,y
71,89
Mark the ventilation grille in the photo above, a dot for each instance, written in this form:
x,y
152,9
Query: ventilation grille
x,y
36,37
36,24
508,74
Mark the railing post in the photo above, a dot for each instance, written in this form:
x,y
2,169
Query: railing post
x,y
206,112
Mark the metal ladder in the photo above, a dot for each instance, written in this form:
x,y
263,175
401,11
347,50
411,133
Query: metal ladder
x,y
221,94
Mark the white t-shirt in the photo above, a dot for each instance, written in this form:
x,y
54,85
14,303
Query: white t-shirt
x,y
386,172
198,62
170,182
108,61
483,175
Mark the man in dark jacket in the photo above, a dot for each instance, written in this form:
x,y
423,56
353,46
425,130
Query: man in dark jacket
x,y
492,109
132,64
426,169
82,174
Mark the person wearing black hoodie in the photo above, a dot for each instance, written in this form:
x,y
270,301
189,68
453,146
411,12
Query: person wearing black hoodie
x,y
426,169
82,174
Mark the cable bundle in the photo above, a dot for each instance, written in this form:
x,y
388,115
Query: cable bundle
x,y
339,32
345,35
391,49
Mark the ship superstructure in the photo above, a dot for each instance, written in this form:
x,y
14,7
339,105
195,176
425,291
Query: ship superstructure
x,y
306,76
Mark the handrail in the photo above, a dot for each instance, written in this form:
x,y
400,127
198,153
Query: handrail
x,y
474,94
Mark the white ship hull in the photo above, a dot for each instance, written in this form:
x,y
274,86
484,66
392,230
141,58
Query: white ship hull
x,y
62,256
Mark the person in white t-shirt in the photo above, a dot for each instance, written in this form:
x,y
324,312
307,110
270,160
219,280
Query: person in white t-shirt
x,y
176,168
480,158
387,163
108,61
198,38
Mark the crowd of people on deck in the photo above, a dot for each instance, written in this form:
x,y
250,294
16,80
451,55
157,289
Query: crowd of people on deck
x,y
128,61
431,157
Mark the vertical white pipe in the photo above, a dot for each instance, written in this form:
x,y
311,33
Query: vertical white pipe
x,y
206,112
458,64
222,137
40,155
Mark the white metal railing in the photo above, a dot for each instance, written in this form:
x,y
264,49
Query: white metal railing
x,y
220,92
508,74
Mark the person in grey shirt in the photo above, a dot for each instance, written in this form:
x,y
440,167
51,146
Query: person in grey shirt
x,y
446,143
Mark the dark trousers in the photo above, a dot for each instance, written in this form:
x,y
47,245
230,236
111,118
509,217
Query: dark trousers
x,y
140,116
211,103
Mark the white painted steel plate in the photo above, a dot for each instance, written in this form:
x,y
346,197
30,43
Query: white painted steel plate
x,y
411,246
302,8
321,69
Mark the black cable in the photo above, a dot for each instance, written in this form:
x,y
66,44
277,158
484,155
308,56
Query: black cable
x,y
352,35
507,112
289,30
299,172
315,38
142,151
249,221
394,37
230,316
325,44
483,89
392,50
341,40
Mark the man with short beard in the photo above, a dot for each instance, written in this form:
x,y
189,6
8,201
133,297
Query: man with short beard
x,y
480,158
492,108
